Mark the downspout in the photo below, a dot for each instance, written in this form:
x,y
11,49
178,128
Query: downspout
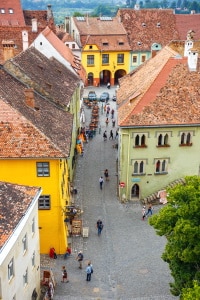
x,y
128,158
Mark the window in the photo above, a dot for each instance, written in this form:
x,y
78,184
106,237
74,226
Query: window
x,y
24,242
2,10
73,46
105,59
140,140
134,59
120,58
25,277
143,58
11,269
161,166
90,47
44,202
138,167
163,140
43,169
33,259
33,226
121,43
90,60
105,43
186,139
11,11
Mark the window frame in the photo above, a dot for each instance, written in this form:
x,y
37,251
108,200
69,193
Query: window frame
x,y
105,59
11,270
120,58
136,59
139,167
184,138
162,168
145,58
2,10
90,60
163,139
45,199
43,169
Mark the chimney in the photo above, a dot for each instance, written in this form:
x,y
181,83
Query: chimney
x,y
49,12
192,60
29,97
34,25
25,39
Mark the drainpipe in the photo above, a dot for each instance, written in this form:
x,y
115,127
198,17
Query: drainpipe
x,y
128,155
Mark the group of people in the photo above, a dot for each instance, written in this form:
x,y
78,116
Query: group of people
x,y
111,137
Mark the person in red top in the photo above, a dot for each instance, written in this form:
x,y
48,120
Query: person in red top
x,y
68,253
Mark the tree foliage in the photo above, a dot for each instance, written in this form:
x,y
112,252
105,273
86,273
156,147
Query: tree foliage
x,y
179,222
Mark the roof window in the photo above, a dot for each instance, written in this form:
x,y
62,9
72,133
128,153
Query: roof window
x,y
139,43
158,24
143,24
11,11
2,10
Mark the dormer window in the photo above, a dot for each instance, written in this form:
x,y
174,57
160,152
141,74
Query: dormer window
x,y
121,43
143,24
11,11
139,43
105,44
158,24
2,10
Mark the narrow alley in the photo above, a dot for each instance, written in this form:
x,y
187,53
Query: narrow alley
x,y
126,257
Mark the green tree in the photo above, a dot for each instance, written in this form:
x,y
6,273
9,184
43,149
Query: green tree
x,y
77,14
191,293
179,222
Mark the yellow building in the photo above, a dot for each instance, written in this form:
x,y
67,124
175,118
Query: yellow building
x,y
105,48
39,124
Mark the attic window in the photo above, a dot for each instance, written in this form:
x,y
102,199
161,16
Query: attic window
x,y
105,44
67,45
143,25
11,11
158,24
2,10
139,43
90,47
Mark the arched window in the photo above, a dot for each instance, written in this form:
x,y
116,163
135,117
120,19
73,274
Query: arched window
x,y
182,138
160,140
137,140
163,165
141,167
166,139
158,166
143,140
188,140
136,167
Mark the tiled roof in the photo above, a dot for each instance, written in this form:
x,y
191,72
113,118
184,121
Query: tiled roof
x,y
148,26
47,76
65,52
40,131
13,13
40,15
184,23
107,42
161,92
14,202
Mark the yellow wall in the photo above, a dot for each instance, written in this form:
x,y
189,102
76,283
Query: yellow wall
x,y
112,66
53,231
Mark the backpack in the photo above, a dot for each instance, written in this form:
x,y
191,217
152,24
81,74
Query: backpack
x,y
80,257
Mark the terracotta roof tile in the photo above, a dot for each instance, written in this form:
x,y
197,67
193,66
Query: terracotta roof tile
x,y
155,99
14,202
47,76
16,15
184,23
66,53
43,131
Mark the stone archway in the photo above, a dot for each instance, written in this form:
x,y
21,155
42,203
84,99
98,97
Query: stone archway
x,y
105,77
90,78
118,74
135,191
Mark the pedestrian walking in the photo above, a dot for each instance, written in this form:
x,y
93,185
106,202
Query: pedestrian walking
x,y
49,293
101,181
105,135
113,122
67,253
107,121
89,271
112,113
64,274
111,135
150,210
106,174
108,85
99,227
143,212
80,259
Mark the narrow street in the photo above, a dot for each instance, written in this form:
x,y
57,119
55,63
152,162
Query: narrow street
x,y
126,258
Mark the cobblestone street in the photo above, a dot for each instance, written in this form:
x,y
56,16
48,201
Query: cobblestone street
x,y
126,258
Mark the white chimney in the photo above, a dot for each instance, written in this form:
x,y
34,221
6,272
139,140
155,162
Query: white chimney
x,y
25,39
34,25
192,59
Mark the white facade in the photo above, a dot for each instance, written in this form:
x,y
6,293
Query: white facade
x,y
20,258
47,49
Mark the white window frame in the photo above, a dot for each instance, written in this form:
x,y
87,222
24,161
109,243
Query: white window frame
x,y
163,138
11,272
163,165
2,10
184,140
138,164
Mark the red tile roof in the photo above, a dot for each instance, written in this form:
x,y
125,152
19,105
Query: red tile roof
x,y
65,52
161,92
184,23
14,202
